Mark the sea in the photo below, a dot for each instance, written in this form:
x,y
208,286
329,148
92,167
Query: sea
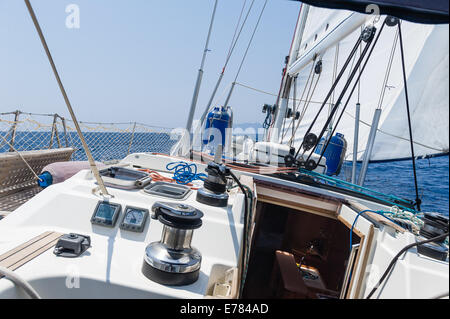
x,y
393,178
397,178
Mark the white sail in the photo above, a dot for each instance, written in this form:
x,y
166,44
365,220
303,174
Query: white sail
x,y
426,60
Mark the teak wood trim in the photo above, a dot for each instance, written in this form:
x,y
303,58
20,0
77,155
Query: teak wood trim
x,y
22,254
299,201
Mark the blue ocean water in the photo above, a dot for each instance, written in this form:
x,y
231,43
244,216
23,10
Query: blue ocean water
x,y
396,178
393,178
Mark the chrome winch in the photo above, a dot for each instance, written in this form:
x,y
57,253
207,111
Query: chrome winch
x,y
214,190
172,260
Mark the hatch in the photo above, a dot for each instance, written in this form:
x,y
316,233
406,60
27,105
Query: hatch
x,y
168,190
121,177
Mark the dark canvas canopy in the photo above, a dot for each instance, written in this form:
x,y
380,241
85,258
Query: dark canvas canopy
x,y
421,11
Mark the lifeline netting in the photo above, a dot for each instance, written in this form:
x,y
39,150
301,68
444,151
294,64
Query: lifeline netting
x,y
107,141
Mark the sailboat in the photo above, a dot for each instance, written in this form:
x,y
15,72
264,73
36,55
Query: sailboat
x,y
273,222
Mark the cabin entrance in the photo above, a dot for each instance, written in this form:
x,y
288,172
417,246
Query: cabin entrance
x,y
297,254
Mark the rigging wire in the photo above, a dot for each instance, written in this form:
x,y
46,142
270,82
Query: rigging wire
x,y
330,92
230,49
307,104
307,100
273,94
295,104
333,77
396,136
235,40
418,200
301,98
388,71
66,99
233,43
349,114
245,55
294,109
250,41
347,84
361,70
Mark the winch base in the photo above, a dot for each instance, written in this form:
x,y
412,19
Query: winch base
x,y
168,278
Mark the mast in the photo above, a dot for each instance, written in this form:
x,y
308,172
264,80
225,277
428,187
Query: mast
x,y
286,82
200,74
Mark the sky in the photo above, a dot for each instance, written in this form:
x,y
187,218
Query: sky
x,y
137,60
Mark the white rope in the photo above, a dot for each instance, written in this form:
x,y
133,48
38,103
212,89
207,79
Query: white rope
x,y
18,281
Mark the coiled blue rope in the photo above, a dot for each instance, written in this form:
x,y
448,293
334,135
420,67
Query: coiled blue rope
x,y
184,173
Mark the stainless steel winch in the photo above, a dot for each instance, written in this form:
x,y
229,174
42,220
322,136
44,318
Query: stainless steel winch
x,y
172,260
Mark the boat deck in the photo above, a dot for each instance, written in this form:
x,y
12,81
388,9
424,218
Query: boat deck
x,y
111,267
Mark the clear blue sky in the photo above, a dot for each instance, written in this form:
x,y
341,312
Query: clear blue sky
x,y
137,60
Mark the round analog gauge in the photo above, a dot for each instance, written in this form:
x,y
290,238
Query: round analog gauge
x,y
134,217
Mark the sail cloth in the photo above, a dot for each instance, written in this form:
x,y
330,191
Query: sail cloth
x,y
427,70
420,11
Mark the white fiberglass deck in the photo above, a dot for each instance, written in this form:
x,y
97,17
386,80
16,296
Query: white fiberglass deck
x,y
111,268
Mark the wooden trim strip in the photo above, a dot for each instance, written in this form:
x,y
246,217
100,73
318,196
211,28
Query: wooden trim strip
x,y
364,262
361,257
23,246
22,254
299,201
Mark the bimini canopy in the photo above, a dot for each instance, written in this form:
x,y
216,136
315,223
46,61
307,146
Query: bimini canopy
x,y
420,11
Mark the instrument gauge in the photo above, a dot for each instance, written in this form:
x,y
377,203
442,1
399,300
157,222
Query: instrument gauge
x,y
134,219
106,214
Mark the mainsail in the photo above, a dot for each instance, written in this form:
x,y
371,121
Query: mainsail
x,y
328,35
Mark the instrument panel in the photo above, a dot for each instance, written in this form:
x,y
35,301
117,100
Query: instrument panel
x,y
134,219
106,214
